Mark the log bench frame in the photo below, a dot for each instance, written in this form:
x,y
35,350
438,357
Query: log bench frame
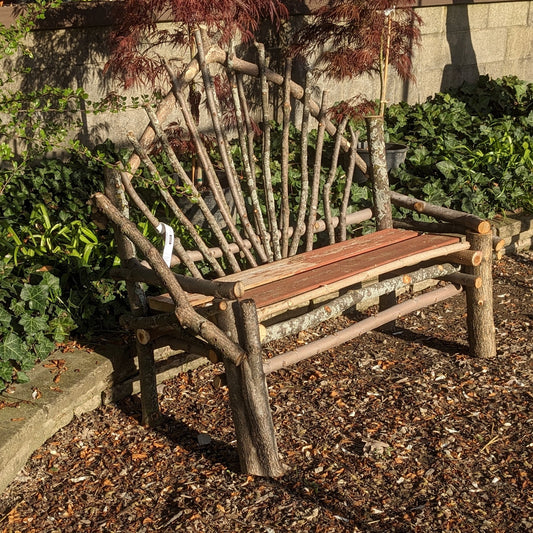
x,y
229,319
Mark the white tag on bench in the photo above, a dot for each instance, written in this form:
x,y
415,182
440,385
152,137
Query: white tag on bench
x,y
168,232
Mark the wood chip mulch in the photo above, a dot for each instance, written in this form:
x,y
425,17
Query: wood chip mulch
x,y
390,433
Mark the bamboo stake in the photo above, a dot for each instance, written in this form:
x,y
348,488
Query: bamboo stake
x,y
368,324
267,176
304,151
348,184
326,193
351,298
295,302
315,188
187,316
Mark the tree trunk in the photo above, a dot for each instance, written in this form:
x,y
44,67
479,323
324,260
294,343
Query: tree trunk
x,y
480,318
256,440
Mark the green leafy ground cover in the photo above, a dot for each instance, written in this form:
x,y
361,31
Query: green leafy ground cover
x,y
469,149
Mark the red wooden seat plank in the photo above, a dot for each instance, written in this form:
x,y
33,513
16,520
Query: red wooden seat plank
x,y
304,272
324,275
303,262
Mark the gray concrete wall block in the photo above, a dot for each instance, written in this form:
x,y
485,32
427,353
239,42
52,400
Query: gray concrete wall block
x,y
507,14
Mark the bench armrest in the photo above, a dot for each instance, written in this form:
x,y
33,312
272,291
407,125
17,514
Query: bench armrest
x,y
135,271
468,221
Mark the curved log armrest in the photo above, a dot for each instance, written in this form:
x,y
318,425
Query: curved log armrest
x,y
466,220
135,271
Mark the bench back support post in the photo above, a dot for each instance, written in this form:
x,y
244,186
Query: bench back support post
x,y
480,318
145,354
248,394
378,172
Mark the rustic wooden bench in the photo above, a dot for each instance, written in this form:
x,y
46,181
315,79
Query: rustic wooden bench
x,y
273,261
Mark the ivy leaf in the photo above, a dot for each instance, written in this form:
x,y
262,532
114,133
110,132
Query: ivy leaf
x,y
446,168
18,307
52,283
61,326
6,371
33,324
5,317
43,347
13,348
35,295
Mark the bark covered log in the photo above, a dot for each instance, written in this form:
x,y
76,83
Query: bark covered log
x,y
344,302
150,413
215,288
186,315
480,318
248,392
368,324
466,220
378,170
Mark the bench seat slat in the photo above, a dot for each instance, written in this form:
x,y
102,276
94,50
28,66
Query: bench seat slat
x,y
284,268
307,271
345,268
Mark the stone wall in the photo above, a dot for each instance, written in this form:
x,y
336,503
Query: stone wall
x,y
460,41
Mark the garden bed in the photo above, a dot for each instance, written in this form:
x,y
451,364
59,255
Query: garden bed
x,y
391,432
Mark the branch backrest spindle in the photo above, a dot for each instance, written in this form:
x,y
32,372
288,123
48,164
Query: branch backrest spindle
x,y
266,162
317,167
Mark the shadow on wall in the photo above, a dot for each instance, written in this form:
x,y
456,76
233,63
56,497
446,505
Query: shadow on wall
x,y
69,58
463,66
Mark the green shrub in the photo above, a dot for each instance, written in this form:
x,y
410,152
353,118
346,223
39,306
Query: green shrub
x,y
54,261
470,149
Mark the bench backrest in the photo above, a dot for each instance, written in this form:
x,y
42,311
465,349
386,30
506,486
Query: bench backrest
x,y
253,190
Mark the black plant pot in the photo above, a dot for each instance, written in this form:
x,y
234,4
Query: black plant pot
x,y
395,155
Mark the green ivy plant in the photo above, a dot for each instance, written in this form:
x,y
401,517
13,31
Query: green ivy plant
x,y
470,149
33,319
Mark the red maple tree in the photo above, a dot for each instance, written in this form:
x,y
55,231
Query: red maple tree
x,y
138,36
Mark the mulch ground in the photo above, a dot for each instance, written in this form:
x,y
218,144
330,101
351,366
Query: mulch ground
x,y
402,432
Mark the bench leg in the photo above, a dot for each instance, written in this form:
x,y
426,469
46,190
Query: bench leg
x,y
151,415
248,394
480,316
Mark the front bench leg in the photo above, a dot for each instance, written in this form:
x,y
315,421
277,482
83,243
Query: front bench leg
x,y
248,394
479,305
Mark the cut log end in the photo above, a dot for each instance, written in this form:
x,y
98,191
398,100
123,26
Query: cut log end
x,y
143,336
484,227
238,289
